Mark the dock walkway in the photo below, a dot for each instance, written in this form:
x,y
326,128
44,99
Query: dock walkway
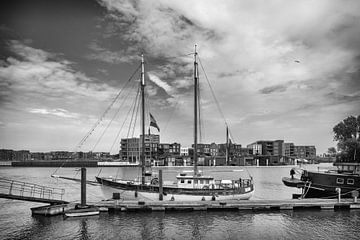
x,y
242,205
24,191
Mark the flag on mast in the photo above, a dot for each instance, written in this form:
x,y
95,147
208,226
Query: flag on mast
x,y
153,122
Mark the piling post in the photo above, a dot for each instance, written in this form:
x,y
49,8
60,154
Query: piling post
x,y
160,185
338,190
355,195
83,186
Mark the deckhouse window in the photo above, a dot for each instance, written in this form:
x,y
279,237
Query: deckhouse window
x,y
201,181
189,181
182,181
350,181
340,181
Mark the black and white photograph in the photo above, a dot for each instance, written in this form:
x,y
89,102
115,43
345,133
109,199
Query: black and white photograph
x,y
179,119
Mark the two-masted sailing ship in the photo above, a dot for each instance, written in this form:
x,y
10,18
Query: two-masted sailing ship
x,y
189,186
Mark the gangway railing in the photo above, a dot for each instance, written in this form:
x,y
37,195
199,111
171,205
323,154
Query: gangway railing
x,y
27,191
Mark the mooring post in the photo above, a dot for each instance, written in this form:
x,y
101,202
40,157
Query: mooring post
x,y
338,190
83,186
160,185
355,195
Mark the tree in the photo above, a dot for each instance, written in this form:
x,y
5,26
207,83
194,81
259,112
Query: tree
x,y
347,135
331,151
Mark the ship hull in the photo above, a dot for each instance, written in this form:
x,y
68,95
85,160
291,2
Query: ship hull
x,y
327,184
151,192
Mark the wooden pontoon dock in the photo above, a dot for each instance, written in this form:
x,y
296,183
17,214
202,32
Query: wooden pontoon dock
x,y
242,205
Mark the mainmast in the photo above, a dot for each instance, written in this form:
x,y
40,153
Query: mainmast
x,y
195,112
142,156
227,146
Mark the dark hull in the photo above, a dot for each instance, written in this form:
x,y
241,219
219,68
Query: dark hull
x,y
325,184
175,190
293,182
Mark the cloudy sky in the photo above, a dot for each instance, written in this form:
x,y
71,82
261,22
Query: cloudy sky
x,y
279,69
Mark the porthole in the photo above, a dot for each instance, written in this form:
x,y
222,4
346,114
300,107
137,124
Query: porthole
x,y
350,181
339,181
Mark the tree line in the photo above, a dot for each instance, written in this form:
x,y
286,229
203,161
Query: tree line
x,y
346,133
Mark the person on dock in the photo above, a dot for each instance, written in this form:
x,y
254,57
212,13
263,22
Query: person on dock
x,y
292,173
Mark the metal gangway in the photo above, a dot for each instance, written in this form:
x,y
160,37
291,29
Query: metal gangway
x,y
24,191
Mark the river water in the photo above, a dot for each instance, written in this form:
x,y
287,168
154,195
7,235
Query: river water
x,y
16,221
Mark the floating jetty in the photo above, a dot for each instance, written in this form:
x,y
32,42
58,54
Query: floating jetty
x,y
233,205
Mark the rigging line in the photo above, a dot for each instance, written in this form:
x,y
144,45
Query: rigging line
x,y
200,122
106,111
167,58
136,117
133,107
136,110
114,116
122,126
213,94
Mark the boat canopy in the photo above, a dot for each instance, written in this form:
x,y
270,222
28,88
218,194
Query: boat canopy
x,y
190,181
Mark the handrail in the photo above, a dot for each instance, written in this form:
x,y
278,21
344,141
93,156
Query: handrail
x,y
24,189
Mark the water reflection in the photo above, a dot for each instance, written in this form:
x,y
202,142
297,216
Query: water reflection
x,y
83,229
16,221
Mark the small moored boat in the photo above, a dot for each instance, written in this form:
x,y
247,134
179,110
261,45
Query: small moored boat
x,y
82,211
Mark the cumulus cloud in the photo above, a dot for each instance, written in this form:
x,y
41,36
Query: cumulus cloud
x,y
248,49
105,55
56,112
37,71
160,83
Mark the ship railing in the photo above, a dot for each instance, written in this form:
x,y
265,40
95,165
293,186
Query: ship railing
x,y
24,189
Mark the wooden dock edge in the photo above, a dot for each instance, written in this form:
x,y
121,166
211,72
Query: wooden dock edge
x,y
241,205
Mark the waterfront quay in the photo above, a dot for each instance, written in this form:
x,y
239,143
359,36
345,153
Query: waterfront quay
x,y
230,205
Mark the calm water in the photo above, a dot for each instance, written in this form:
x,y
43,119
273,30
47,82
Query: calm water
x,y
16,221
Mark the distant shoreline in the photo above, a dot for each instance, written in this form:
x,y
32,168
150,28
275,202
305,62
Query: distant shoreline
x,y
69,164
96,164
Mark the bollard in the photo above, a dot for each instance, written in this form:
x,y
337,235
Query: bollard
x,y
355,195
338,190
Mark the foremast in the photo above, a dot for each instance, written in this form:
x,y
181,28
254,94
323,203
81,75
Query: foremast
x,y
196,79
142,156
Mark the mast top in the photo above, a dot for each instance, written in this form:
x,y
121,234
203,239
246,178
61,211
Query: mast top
x,y
142,70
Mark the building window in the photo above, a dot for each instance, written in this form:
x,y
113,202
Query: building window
x,y
350,181
339,181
